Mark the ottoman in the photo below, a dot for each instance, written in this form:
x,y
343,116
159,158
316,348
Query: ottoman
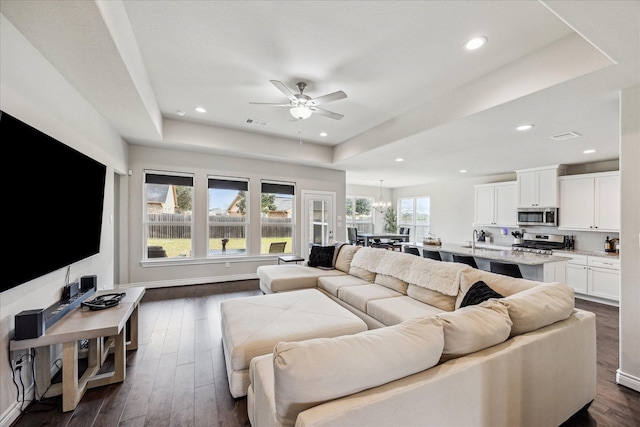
x,y
252,326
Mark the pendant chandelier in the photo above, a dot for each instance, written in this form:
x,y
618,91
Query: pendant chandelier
x,y
381,205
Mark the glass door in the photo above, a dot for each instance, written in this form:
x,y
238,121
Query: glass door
x,y
318,219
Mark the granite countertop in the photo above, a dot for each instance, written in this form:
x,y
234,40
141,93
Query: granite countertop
x,y
602,254
504,255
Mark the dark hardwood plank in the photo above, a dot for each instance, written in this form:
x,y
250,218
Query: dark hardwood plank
x,y
177,376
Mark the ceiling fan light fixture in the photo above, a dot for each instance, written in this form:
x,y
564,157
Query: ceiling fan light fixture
x,y
300,112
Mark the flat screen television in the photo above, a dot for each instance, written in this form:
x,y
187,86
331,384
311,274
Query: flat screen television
x,y
53,202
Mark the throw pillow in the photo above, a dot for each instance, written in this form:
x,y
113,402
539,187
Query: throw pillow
x,y
321,256
478,292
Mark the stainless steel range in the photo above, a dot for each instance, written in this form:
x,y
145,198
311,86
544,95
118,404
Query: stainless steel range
x,y
539,243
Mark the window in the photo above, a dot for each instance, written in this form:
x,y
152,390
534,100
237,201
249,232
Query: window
x,y
228,218
359,213
168,215
277,202
415,214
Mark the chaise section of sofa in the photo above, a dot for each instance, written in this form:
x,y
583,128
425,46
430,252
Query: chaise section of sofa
x,y
539,378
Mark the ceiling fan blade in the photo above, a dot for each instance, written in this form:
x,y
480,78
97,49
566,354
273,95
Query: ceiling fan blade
x,y
327,98
326,113
277,104
285,90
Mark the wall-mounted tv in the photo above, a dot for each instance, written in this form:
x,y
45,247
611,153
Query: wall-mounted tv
x,y
53,202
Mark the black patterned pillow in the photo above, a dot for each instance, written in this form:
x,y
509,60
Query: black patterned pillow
x,y
321,256
478,293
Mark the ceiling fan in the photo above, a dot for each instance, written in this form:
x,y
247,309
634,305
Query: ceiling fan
x,y
301,106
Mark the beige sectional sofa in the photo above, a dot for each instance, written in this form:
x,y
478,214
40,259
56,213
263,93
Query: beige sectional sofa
x,y
526,359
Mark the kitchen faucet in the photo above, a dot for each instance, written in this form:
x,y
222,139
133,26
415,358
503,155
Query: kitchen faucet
x,y
474,237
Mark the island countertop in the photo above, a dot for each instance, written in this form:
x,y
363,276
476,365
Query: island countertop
x,y
507,255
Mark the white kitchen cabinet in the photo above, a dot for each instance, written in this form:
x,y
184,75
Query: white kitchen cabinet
x,y
539,187
594,277
603,278
590,202
496,204
577,273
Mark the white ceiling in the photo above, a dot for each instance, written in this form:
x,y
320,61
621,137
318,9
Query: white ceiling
x,y
413,91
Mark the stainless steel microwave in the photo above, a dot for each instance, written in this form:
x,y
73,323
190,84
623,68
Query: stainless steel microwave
x,y
538,216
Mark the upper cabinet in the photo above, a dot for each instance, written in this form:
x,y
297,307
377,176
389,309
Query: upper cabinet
x,y
496,204
590,202
539,187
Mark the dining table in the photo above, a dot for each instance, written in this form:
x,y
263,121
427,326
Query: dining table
x,y
388,236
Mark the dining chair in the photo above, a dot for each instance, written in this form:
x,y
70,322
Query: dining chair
x,y
352,235
506,269
465,259
434,255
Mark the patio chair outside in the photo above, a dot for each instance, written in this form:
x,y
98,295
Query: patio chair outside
x,y
277,247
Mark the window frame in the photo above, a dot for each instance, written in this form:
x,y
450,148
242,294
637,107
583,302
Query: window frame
x,y
166,177
350,220
290,188
413,224
246,223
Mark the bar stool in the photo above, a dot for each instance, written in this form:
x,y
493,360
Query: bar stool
x,y
411,250
506,269
465,259
435,255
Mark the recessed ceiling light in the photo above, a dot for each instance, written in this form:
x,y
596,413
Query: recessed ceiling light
x,y
399,159
180,113
475,43
522,128
591,151
463,171
323,134
200,110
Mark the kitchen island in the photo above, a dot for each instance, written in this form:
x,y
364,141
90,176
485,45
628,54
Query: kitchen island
x,y
543,268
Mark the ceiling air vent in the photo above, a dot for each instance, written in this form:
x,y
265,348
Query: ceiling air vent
x,y
255,122
566,135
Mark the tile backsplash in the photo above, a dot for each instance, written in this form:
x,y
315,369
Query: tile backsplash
x,y
583,240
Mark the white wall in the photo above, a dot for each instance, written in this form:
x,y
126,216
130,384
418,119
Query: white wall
x,y
452,205
34,92
629,370
202,270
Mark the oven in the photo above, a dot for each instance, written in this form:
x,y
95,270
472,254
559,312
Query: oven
x,y
538,216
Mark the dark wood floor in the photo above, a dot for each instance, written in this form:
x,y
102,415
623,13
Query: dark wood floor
x,y
177,377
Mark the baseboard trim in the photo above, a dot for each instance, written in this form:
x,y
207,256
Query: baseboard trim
x,y
13,412
627,380
191,281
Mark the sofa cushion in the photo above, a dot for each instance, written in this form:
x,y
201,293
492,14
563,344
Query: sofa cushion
x,y
358,296
434,298
344,256
391,311
321,256
331,284
391,283
314,371
474,328
289,277
367,275
539,306
479,292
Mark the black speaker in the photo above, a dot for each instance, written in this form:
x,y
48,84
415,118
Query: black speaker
x,y
29,324
88,282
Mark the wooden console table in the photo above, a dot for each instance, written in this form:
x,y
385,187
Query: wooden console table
x,y
84,324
